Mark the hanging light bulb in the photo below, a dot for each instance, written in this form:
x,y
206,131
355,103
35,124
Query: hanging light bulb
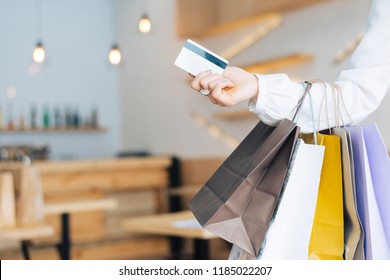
x,y
144,24
115,55
39,53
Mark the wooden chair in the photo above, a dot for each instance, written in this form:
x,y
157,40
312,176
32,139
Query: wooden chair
x,y
10,229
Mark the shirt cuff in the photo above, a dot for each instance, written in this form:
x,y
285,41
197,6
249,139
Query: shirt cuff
x,y
276,98
257,104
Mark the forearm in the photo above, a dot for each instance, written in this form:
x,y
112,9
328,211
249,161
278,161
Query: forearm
x,y
362,92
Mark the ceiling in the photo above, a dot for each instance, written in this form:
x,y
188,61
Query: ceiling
x,y
195,17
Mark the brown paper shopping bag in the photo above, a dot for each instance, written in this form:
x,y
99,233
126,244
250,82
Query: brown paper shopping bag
x,y
239,199
353,230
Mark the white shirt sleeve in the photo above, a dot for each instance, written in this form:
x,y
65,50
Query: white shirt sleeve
x,y
363,84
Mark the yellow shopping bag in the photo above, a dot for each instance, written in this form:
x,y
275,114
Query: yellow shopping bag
x,y
327,236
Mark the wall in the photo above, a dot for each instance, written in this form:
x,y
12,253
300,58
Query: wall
x,y
77,36
157,101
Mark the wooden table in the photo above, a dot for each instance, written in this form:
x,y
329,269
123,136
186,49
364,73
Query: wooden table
x,y
65,209
173,224
18,233
22,233
79,206
68,181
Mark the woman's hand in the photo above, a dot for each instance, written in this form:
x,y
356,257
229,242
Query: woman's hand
x,y
234,86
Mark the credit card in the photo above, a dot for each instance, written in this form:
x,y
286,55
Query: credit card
x,y
193,58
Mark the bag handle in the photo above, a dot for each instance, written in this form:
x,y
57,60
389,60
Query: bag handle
x,y
299,105
339,97
324,98
297,108
313,122
338,101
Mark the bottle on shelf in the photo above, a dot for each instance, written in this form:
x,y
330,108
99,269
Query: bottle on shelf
x,y
68,118
22,125
76,119
10,124
33,117
57,118
46,118
22,122
94,118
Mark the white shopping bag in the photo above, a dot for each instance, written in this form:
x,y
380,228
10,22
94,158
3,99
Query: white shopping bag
x,y
289,233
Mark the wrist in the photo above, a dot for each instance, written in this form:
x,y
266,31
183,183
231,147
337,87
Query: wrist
x,y
255,90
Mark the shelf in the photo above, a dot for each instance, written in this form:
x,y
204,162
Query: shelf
x,y
236,115
282,62
55,130
195,17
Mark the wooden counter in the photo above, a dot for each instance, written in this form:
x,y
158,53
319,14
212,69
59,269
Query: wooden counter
x,y
105,175
121,174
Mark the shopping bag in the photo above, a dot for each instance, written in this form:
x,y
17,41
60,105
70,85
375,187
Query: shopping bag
x,y
327,236
239,199
376,245
353,231
380,173
289,232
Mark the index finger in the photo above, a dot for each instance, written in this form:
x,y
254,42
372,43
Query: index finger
x,y
195,83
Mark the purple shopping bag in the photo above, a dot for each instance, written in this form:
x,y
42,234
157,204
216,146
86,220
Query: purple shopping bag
x,y
376,243
379,161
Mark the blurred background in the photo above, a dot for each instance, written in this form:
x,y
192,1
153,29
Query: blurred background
x,y
88,80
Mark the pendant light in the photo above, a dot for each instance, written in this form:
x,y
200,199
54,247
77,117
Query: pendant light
x,y
39,53
115,55
144,24
39,50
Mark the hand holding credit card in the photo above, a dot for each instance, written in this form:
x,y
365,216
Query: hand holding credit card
x,y
194,59
225,86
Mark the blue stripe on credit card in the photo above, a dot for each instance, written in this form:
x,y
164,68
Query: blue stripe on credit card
x,y
206,55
